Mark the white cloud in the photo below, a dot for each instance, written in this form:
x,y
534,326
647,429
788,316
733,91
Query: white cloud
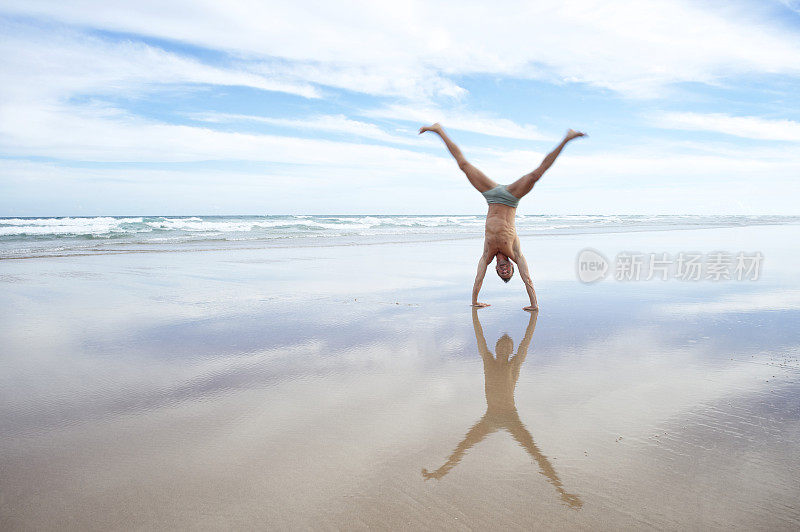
x,y
794,5
412,48
415,53
418,116
473,122
416,82
358,178
58,64
85,133
323,123
653,162
739,303
751,127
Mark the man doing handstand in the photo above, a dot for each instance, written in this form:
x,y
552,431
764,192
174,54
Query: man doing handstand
x,y
501,240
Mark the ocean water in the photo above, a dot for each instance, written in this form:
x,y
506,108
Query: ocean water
x,y
37,237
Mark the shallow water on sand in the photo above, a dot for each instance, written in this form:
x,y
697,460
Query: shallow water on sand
x,y
354,388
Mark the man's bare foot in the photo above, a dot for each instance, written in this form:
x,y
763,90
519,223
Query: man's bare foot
x,y
572,134
480,305
531,309
434,127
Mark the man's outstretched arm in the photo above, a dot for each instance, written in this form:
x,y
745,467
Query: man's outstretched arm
x,y
522,350
483,349
525,275
482,264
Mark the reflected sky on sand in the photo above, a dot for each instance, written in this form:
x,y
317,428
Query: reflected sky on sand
x,y
243,390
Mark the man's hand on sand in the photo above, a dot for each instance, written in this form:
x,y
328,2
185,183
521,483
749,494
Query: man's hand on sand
x,y
480,305
426,474
531,308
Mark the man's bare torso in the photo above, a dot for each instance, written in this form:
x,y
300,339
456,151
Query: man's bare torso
x,y
501,233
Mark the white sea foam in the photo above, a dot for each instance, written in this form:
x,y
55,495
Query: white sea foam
x,y
43,236
189,224
55,222
66,226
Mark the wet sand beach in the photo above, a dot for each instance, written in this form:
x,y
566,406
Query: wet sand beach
x,y
353,387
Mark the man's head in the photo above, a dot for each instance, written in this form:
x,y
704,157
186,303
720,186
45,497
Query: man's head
x,y
504,268
503,348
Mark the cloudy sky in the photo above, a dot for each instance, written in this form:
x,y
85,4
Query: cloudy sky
x,y
237,107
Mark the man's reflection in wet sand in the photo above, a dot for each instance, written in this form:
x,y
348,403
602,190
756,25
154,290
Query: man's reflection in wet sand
x,y
501,374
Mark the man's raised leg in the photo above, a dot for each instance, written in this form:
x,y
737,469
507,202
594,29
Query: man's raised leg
x,y
524,184
478,179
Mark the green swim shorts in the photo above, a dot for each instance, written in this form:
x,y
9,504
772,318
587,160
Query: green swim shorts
x,y
500,194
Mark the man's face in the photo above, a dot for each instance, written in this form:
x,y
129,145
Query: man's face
x,y
504,269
